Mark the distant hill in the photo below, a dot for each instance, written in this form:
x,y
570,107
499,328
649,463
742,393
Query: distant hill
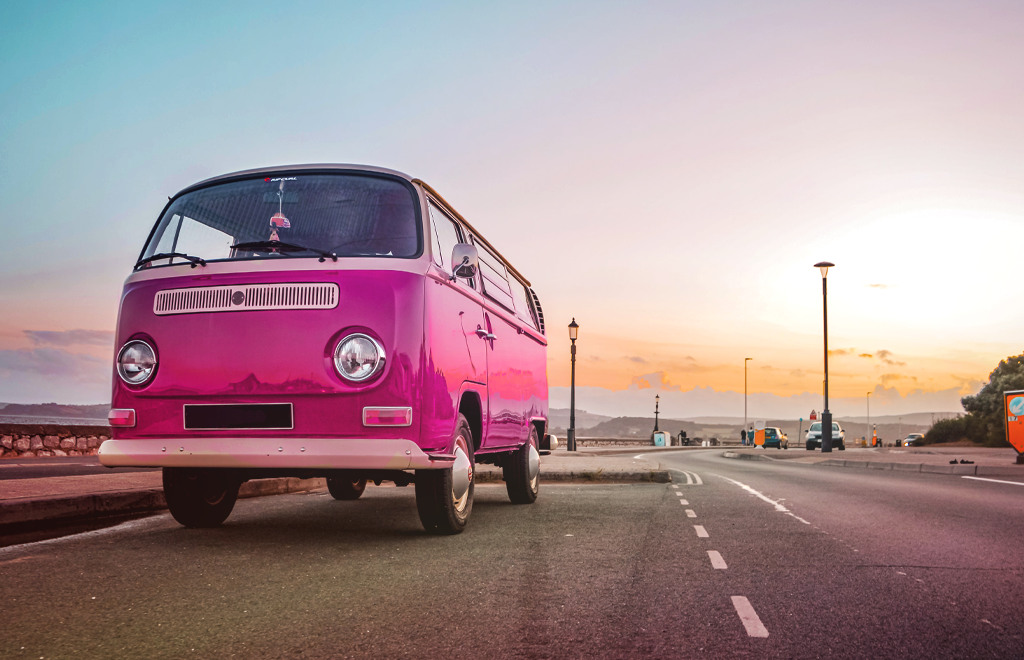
x,y
559,418
56,410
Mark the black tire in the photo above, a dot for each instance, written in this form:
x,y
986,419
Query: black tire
x,y
810,446
516,472
199,498
345,489
440,511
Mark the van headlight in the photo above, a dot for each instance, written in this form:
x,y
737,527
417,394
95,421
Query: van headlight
x,y
358,357
136,362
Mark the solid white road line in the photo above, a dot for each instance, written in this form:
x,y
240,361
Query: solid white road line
x,y
690,513
716,559
996,481
778,506
701,532
749,617
689,480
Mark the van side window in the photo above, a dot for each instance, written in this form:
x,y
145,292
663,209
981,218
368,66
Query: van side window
x,y
524,310
444,236
494,277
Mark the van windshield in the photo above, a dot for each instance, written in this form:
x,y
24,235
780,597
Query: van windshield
x,y
350,215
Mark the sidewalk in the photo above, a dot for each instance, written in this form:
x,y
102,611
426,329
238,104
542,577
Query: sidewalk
x,y
66,499
933,459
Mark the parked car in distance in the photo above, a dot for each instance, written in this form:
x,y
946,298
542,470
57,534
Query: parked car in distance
x,y
813,438
913,440
774,437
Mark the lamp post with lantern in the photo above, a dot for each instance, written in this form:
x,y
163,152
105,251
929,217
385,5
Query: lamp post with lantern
x,y
657,399
570,441
826,416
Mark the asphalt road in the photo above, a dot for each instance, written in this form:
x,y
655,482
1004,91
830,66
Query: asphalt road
x,y
57,466
827,562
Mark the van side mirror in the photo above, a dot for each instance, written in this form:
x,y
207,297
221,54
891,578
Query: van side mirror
x,y
465,261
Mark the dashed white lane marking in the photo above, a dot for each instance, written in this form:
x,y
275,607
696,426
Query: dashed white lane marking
x,y
716,559
778,506
676,486
679,494
690,513
749,617
684,502
996,481
701,532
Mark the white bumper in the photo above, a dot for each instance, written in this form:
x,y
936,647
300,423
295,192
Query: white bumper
x,y
322,453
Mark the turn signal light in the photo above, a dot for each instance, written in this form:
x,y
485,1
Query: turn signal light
x,y
124,417
387,416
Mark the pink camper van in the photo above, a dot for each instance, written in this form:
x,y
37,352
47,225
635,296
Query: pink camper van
x,y
332,321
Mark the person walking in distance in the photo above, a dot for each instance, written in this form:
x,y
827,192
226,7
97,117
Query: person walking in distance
x,y
743,437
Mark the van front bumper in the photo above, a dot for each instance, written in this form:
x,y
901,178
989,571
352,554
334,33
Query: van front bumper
x,y
312,453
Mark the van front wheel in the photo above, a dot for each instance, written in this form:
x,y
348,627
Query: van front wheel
x,y
199,498
522,471
444,498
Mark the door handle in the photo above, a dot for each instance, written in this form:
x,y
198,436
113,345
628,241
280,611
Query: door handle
x,y
483,334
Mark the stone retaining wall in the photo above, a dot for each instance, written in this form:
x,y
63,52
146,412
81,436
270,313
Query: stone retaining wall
x,y
41,440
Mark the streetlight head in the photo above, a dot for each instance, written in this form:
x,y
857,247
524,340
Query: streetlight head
x,y
745,359
574,329
823,266
657,397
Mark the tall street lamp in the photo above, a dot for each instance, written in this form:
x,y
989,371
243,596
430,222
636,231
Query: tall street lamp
x,y
657,398
745,360
570,442
826,416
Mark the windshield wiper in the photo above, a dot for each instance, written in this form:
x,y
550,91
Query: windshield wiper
x,y
196,261
259,246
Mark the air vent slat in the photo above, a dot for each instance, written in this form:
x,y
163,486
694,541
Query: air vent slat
x,y
253,297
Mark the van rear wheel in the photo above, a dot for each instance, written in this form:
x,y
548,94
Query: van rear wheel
x,y
521,471
346,489
199,498
444,498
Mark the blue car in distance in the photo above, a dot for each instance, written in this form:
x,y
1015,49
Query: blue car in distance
x,y
774,437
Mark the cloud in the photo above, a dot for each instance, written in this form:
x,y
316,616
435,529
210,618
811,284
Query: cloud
x,y
885,356
797,373
881,286
886,379
658,380
866,355
55,362
638,360
690,358
841,351
70,337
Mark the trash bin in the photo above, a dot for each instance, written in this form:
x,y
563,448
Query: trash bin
x,y
661,439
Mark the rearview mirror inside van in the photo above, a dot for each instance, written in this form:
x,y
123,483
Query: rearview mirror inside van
x,y
465,261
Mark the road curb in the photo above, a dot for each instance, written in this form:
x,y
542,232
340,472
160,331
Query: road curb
x,y
73,508
588,477
957,469
748,457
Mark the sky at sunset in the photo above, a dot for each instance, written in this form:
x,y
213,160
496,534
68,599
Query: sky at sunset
x,y
666,173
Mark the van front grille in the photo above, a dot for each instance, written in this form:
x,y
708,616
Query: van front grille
x,y
250,297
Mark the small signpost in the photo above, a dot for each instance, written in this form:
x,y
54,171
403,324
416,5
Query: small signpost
x,y
814,416
1013,401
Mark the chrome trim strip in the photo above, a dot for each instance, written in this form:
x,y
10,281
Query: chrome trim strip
x,y
246,298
